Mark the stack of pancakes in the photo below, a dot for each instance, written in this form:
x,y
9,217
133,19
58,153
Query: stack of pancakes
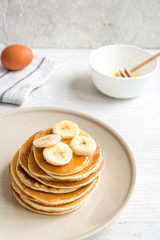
x,y
53,189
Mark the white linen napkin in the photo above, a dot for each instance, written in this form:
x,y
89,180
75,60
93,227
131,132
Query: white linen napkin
x,y
15,86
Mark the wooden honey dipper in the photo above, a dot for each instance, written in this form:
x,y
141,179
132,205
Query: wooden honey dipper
x,y
128,73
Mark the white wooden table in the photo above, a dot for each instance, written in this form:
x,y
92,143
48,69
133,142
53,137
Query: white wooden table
x,y
137,121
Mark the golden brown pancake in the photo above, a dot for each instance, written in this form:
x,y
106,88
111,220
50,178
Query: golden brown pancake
x,y
35,170
92,166
32,166
26,149
48,189
63,207
24,153
27,206
77,164
43,197
36,185
67,184
71,184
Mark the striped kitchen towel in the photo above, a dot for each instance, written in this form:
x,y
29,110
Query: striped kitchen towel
x,y
15,86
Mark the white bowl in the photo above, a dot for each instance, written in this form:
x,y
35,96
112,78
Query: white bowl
x,y
113,57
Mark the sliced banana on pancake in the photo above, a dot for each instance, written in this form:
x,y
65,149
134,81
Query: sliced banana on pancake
x,y
46,141
59,154
83,146
66,129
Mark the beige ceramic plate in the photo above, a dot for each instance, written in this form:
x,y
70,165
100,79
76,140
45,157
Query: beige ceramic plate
x,y
116,185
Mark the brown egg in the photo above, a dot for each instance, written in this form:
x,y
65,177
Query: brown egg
x,y
16,57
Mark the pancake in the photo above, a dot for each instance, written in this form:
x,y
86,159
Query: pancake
x,y
25,150
38,170
35,170
33,202
76,164
24,153
64,207
27,206
91,167
54,189
36,185
44,198
71,184
68,184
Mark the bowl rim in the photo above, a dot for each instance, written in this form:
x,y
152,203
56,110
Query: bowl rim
x,y
120,78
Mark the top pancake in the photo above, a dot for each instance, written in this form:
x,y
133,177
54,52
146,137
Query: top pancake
x,y
36,170
25,151
76,165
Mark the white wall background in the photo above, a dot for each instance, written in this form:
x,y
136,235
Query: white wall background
x,y
80,23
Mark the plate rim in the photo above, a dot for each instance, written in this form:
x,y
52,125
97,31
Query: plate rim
x,y
105,126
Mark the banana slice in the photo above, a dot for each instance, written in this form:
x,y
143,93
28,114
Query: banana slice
x,y
59,154
66,129
47,140
83,146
